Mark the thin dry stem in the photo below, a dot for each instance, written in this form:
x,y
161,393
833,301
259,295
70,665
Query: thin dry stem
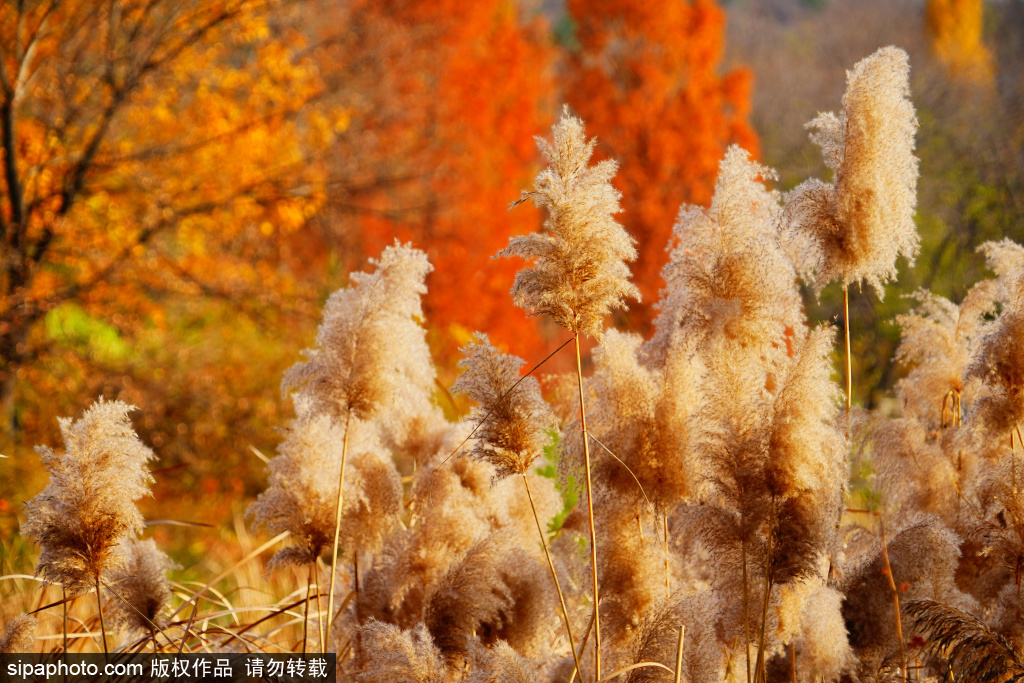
x,y
64,624
746,604
99,609
554,577
895,601
319,611
679,654
337,523
305,611
761,674
849,362
668,588
590,512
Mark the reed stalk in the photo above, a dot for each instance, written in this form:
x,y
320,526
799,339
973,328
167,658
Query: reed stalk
x,y
319,612
895,600
679,654
590,512
305,611
554,577
99,610
337,524
849,362
762,674
746,605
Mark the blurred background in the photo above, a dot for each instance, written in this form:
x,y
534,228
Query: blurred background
x,y
186,181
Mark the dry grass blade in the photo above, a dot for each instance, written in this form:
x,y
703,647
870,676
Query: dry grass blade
x,y
619,460
226,573
631,667
974,651
179,522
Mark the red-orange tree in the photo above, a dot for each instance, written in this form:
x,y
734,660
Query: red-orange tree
x,y
646,78
468,87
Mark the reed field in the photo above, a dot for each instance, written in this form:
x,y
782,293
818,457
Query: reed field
x,y
699,500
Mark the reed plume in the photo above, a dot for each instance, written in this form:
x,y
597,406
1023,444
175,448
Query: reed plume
x,y
999,363
923,559
511,418
853,229
452,510
502,664
299,499
937,341
578,273
728,276
140,588
19,635
88,508
361,364
974,652
400,655
495,592
511,423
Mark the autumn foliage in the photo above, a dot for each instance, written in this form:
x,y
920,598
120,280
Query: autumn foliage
x,y
647,79
955,31
475,86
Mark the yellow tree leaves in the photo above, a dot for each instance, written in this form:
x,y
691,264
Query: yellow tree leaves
x,y
955,29
148,150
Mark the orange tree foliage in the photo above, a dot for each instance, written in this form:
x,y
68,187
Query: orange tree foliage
x,y
645,76
955,30
460,90
150,149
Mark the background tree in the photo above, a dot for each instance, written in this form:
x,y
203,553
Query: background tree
x,y
955,31
445,143
646,78
150,150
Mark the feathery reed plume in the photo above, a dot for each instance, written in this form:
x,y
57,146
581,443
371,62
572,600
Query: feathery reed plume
x,y
937,341
999,362
511,421
361,364
502,664
142,591
728,276
821,644
579,273
854,229
642,416
409,656
453,509
494,593
19,635
999,523
923,560
974,652
913,473
299,499
510,428
88,508
658,640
